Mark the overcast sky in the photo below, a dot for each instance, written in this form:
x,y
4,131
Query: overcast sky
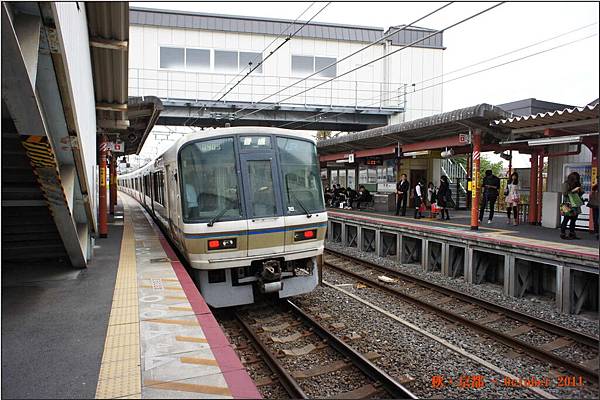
x,y
567,75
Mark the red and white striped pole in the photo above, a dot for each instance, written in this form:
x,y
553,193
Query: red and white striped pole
x,y
475,185
102,209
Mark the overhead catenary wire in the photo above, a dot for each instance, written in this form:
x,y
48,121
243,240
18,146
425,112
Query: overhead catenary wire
x,y
450,80
379,58
454,71
392,32
287,39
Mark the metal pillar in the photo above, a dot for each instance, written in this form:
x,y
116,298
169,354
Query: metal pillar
x,y
594,149
475,181
113,183
540,184
510,166
102,211
533,189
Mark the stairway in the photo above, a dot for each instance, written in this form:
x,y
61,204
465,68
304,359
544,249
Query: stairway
x,y
29,232
457,175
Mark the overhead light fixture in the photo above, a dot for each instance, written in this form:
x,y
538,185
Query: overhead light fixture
x,y
555,140
344,160
415,153
447,153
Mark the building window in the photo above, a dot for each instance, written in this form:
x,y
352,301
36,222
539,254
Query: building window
x,y
226,61
171,58
247,57
197,60
322,62
306,65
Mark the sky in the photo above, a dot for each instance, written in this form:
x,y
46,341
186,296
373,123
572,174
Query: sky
x,y
567,75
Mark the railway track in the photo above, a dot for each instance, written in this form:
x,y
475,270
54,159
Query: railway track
x,y
306,358
459,308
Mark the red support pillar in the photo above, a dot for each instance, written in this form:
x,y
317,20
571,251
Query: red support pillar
x,y
475,180
594,177
469,179
540,187
533,189
102,212
113,183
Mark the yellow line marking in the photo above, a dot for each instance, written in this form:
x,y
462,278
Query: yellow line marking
x,y
176,298
187,387
164,288
185,322
181,309
198,361
169,279
190,339
120,373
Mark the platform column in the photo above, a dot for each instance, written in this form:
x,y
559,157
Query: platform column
x,y
475,180
540,187
533,189
102,211
594,177
113,183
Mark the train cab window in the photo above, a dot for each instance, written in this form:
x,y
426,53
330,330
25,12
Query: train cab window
x,y
255,142
261,188
209,181
302,188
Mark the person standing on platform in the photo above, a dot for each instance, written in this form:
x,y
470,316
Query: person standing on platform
x,y
572,193
419,200
491,184
512,198
444,193
593,204
402,189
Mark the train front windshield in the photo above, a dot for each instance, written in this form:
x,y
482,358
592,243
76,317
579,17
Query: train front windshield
x,y
210,183
302,189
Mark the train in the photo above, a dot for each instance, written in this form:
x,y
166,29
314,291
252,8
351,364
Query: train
x,y
244,206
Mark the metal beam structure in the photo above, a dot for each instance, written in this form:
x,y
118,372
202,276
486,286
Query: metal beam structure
x,y
310,117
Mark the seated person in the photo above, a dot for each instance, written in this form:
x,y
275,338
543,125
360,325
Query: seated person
x,y
364,196
352,195
338,198
328,197
191,200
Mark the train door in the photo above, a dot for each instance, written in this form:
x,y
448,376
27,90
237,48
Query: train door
x,y
266,228
173,203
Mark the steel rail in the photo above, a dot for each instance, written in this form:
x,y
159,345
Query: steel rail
x,y
559,330
367,367
504,338
290,385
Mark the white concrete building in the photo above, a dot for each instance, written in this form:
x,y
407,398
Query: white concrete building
x,y
183,56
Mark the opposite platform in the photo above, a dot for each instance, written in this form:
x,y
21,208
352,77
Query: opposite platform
x,y
162,340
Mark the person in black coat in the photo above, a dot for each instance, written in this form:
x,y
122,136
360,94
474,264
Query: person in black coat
x,y
402,192
491,184
442,197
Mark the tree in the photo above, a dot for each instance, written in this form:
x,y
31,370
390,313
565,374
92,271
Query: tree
x,y
322,135
484,165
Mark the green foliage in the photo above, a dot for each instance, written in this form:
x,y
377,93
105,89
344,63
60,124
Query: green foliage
x,y
485,164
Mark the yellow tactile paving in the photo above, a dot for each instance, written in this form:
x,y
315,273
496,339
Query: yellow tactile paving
x,y
120,374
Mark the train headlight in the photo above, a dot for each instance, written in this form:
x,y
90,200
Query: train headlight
x,y
305,235
222,244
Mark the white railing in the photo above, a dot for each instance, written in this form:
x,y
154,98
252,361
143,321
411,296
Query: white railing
x,y
204,86
457,176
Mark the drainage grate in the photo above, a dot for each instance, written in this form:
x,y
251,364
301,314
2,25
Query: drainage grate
x,y
159,260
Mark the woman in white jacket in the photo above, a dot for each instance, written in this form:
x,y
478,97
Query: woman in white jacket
x,y
512,198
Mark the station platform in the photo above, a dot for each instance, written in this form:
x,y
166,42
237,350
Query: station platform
x,y
522,259
131,325
523,234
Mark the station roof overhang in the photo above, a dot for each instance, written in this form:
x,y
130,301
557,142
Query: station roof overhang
x,y
449,129
575,121
117,115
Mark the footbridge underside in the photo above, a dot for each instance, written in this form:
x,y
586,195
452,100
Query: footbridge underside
x,y
292,116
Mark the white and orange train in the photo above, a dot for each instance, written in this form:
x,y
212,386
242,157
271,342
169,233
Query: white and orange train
x,y
243,205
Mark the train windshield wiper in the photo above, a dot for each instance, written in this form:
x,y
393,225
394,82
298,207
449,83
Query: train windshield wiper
x,y
219,215
308,214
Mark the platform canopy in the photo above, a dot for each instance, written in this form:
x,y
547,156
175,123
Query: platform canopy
x,y
117,115
569,121
437,131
